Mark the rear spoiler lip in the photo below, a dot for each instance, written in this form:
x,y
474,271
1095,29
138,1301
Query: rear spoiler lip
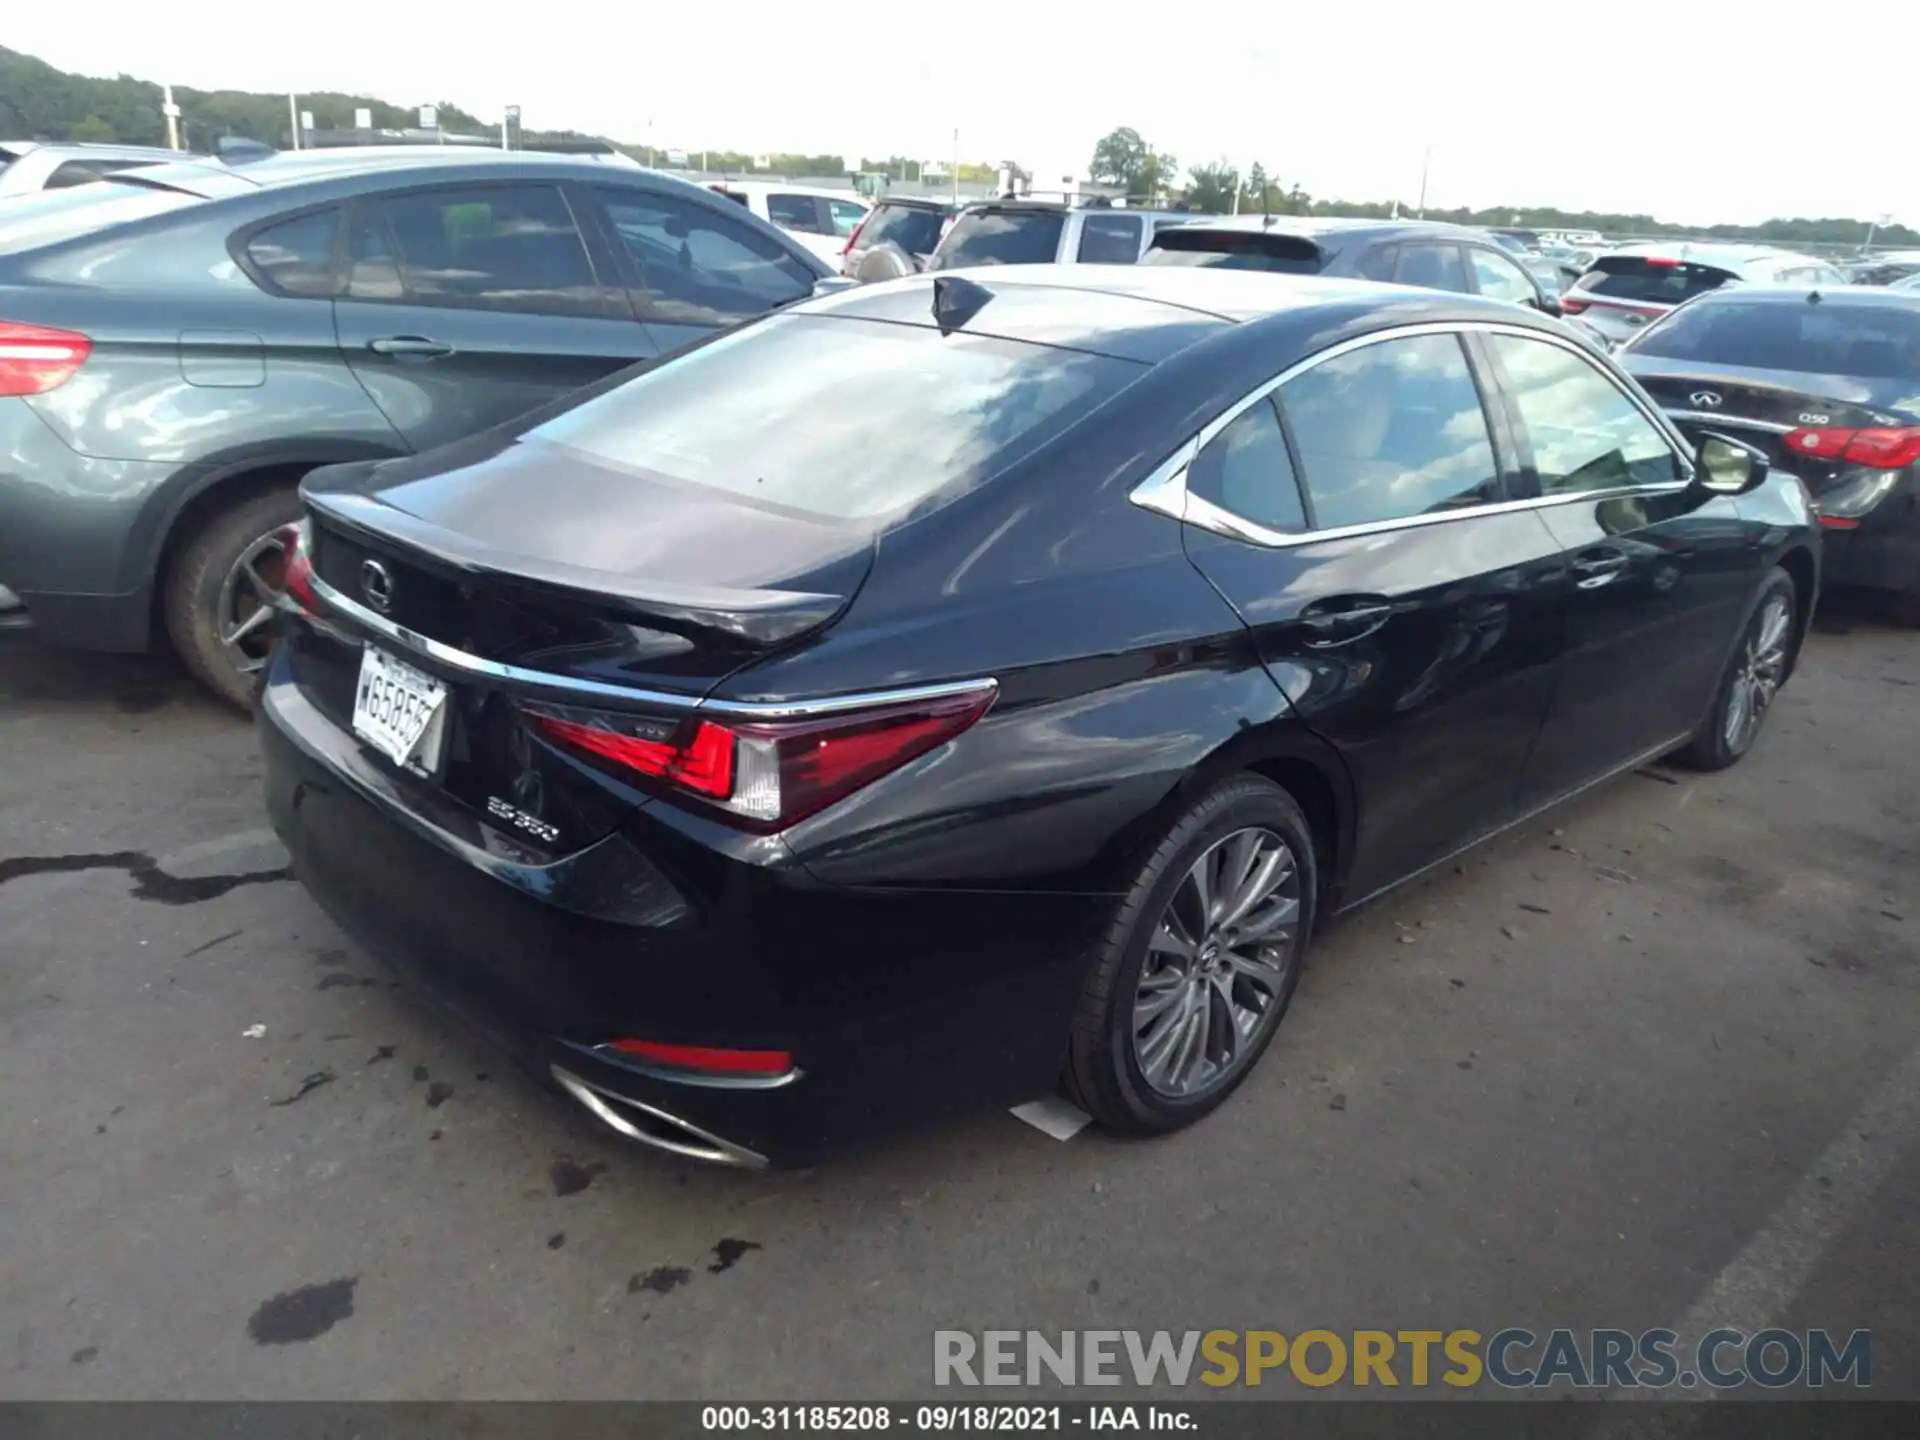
x,y
759,618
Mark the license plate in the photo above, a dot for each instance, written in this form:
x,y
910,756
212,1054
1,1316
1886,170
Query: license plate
x,y
399,711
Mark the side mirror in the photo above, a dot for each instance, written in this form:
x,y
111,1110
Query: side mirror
x,y
1549,305
1725,466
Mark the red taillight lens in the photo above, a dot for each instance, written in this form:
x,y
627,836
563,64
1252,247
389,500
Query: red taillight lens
x,y
1660,262
296,575
702,763
35,358
1876,447
1884,447
768,774
715,1059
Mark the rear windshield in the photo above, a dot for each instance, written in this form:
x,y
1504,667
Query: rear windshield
x,y
1660,282
1878,342
842,418
1235,250
1002,237
50,216
915,229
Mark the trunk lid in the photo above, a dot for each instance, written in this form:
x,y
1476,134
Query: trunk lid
x,y
541,562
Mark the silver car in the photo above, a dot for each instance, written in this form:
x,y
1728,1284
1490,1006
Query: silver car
x,y
1625,289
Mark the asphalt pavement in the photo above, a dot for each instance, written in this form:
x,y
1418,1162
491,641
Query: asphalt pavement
x,y
1651,1060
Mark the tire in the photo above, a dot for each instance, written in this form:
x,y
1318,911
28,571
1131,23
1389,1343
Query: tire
x,y
1106,1074
196,590
1756,670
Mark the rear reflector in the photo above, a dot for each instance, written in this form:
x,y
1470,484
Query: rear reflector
x,y
35,359
1876,447
714,1059
765,775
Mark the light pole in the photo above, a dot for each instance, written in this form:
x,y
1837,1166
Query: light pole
x,y
1426,162
293,119
510,116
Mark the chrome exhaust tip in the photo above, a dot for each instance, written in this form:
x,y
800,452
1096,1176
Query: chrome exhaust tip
x,y
653,1126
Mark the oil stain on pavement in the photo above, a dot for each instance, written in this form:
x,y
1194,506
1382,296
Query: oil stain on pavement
x,y
150,882
301,1315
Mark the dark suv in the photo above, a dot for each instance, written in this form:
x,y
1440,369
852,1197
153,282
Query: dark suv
x,y
180,345
1432,255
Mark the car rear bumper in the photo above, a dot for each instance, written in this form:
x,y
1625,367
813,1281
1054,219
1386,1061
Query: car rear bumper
x,y
896,1007
1882,554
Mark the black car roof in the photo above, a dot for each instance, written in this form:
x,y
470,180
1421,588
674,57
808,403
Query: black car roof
x,y
1148,313
1849,295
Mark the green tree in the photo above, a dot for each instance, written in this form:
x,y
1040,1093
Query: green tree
x,y
1124,159
1211,188
1257,195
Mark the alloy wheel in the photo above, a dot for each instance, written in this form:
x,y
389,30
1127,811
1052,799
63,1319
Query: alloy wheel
x,y
248,596
1218,964
1758,672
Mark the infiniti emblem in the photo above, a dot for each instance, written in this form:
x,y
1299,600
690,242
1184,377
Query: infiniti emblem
x,y
377,585
1704,399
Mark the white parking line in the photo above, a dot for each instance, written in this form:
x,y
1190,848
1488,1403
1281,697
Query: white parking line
x,y
1756,1287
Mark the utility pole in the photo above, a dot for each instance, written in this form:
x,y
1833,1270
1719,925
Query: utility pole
x,y
172,112
955,177
1426,162
507,117
293,119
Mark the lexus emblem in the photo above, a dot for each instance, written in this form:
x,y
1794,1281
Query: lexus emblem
x,y
1704,399
377,585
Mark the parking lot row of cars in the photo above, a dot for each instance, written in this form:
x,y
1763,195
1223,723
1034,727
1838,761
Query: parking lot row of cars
x,y
792,708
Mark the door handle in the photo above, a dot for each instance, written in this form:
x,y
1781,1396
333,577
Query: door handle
x,y
1593,571
1339,621
414,345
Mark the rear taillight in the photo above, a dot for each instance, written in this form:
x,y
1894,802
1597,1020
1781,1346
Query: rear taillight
x,y
296,574
1569,306
1877,447
768,774
36,358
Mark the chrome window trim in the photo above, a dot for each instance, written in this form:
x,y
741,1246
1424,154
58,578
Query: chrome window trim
x,y
1165,490
564,686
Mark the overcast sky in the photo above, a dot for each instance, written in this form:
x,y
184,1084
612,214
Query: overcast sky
x,y
1693,110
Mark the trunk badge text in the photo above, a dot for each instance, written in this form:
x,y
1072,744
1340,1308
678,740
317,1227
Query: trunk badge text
x,y
377,585
540,829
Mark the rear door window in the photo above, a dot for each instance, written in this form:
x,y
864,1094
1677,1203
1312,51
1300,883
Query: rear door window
x,y
796,212
1110,239
1391,430
699,265
492,247
295,257
1246,469
1436,267
1878,342
1379,263
1500,278
1002,237
851,419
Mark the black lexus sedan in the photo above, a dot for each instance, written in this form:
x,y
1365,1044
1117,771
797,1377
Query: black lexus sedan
x,y
890,707
1827,382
